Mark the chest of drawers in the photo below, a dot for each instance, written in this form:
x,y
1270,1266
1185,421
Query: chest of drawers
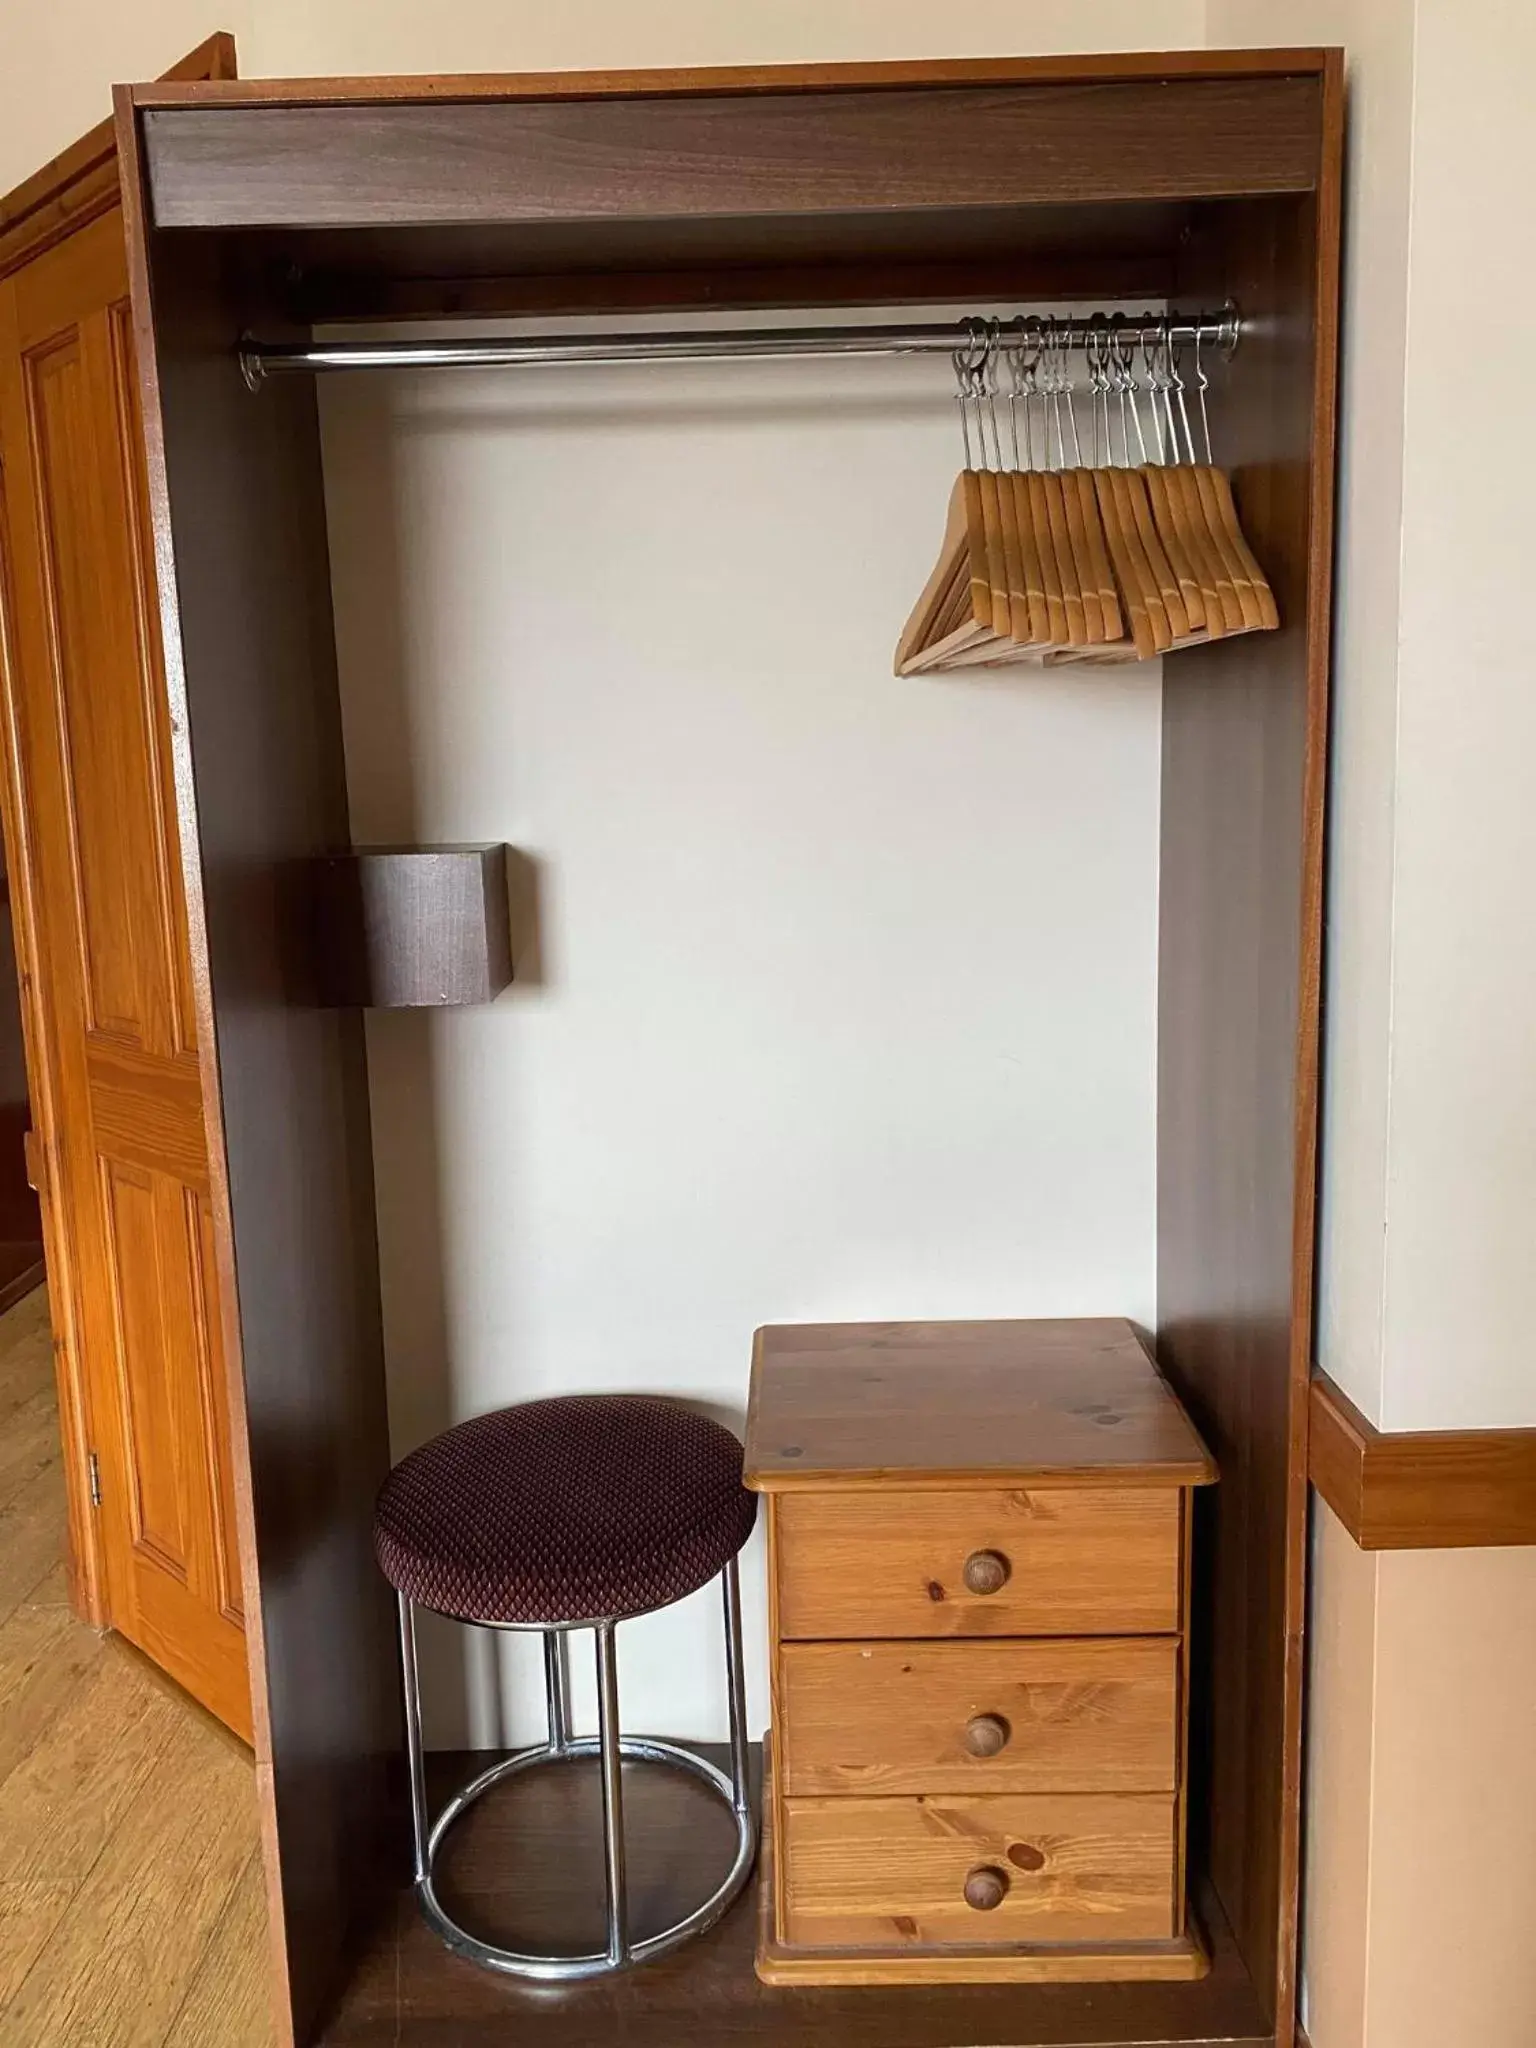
x,y
979,1552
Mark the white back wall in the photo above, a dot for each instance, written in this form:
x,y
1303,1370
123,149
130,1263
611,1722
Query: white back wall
x,y
844,997
1461,1193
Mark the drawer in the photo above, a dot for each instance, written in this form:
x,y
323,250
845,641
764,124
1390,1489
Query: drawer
x,y
1053,1561
895,1873
1044,1716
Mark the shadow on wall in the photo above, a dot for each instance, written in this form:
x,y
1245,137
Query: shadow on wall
x,y
382,772
460,1673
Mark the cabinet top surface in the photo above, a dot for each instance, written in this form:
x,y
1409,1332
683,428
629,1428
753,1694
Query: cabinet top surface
x,y
869,1404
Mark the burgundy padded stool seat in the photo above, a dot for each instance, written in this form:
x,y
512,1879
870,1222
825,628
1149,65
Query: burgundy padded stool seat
x,y
579,1512
563,1510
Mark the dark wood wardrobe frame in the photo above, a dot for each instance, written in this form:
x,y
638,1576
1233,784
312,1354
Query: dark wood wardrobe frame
x,y
266,207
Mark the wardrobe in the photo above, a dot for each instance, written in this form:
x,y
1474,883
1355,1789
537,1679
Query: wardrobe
x,y
268,209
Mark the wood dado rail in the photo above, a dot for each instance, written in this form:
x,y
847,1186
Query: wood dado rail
x,y
1421,1489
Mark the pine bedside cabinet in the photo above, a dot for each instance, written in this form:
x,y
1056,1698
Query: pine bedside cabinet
x,y
978,1558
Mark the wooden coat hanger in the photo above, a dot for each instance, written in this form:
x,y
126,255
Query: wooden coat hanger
x,y
1048,559
1170,511
1241,583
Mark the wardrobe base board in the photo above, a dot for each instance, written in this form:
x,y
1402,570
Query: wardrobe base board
x,y
21,1269
525,1868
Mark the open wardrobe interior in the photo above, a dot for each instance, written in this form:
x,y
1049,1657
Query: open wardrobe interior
x,y
746,665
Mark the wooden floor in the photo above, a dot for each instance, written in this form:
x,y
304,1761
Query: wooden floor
x,y
131,1912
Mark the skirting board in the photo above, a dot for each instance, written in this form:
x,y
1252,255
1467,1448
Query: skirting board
x,y
18,1285
1421,1489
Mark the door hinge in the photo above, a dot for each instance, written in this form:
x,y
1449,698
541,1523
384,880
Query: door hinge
x,y
93,1467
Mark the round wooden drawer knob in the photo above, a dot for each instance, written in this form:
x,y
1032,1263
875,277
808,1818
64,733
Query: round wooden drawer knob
x,y
986,1571
986,1887
986,1734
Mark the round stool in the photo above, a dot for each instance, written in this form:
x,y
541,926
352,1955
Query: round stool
x,y
579,1512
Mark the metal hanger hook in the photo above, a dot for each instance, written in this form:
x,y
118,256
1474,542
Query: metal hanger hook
x,y
988,377
1125,357
1013,356
1096,358
967,361
1034,330
1151,344
1050,401
1069,393
1202,385
1179,390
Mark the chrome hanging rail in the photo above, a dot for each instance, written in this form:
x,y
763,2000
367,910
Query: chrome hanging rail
x,y
262,359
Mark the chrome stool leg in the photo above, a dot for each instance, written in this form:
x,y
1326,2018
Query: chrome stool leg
x,y
610,1749
613,1793
419,1831
556,1692
736,1682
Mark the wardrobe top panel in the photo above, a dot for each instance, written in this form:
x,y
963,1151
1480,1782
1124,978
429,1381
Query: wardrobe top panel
x,y
775,147
1071,1401
744,79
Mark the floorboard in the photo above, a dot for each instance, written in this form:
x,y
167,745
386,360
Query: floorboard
x,y
32,1527
131,1910
26,1354
226,2001
44,1656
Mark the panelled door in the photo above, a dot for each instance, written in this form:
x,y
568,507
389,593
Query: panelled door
x,y
93,832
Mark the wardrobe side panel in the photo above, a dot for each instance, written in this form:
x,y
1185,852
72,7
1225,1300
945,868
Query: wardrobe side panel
x,y
241,550
1244,735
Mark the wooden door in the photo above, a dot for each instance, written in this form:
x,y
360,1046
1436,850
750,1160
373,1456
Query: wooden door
x,y
113,1039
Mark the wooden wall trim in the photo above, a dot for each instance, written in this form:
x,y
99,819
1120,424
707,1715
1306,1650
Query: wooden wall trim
x,y
81,181
1421,1489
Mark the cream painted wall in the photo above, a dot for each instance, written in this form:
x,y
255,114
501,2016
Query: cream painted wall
x,y
60,60
1341,1723
1421,1850
1453,1855
401,35
1352,1241
1461,1199
846,1004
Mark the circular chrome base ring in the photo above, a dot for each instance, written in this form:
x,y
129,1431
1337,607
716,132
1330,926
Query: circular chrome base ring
x,y
570,1969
